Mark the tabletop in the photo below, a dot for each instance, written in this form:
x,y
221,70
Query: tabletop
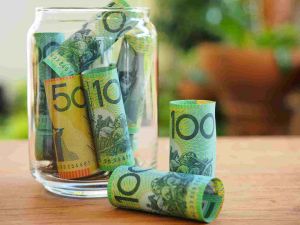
x,y
261,176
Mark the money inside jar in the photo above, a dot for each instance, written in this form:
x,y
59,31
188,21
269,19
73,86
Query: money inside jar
x,y
73,143
108,119
83,47
83,125
45,43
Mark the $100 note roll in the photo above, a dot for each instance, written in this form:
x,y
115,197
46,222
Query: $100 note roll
x,y
83,47
193,137
45,43
134,68
142,46
74,147
127,70
108,119
167,193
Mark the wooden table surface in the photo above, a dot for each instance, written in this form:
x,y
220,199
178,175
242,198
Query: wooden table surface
x,y
261,178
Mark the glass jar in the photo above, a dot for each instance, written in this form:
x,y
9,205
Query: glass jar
x,y
92,96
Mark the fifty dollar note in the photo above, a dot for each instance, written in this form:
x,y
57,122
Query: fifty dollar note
x,y
74,147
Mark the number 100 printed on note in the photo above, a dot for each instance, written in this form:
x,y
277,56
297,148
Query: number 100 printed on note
x,y
108,119
193,137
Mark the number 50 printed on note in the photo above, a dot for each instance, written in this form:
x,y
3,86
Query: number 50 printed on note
x,y
75,151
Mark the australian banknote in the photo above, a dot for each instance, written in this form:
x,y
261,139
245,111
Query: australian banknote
x,y
107,118
44,44
193,137
74,147
83,47
167,193
134,67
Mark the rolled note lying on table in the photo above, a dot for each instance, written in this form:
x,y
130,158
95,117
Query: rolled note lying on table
x,y
107,117
193,137
166,193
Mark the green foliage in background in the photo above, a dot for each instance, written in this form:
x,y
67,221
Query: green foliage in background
x,y
235,22
183,22
13,124
186,24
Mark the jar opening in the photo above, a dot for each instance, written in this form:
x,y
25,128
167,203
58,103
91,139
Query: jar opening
x,y
90,9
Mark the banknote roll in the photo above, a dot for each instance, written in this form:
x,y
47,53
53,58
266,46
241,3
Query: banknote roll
x,y
127,70
167,193
107,116
74,147
138,49
45,44
193,137
83,47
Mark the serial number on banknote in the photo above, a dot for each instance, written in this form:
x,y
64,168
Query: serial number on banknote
x,y
74,165
118,159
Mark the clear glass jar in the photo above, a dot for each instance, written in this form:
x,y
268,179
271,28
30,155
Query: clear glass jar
x,y
92,96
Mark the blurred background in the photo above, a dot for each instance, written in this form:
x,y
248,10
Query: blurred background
x,y
245,54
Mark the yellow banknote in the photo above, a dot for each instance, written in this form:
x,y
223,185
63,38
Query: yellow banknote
x,y
75,151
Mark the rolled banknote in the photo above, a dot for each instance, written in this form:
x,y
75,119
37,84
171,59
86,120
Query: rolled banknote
x,y
167,193
193,137
108,119
44,44
79,51
127,70
143,45
74,147
134,68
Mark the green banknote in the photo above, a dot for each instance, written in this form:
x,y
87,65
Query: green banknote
x,y
127,76
127,69
44,44
134,68
193,137
108,119
167,193
79,51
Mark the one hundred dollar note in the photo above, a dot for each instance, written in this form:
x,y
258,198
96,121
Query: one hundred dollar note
x,y
166,193
108,119
44,44
134,67
193,137
83,47
74,147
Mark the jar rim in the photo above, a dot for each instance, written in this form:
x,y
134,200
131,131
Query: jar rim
x,y
90,9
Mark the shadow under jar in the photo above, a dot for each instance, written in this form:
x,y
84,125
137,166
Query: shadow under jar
x,y
92,96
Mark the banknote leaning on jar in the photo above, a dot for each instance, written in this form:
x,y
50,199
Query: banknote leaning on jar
x,y
193,137
167,193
